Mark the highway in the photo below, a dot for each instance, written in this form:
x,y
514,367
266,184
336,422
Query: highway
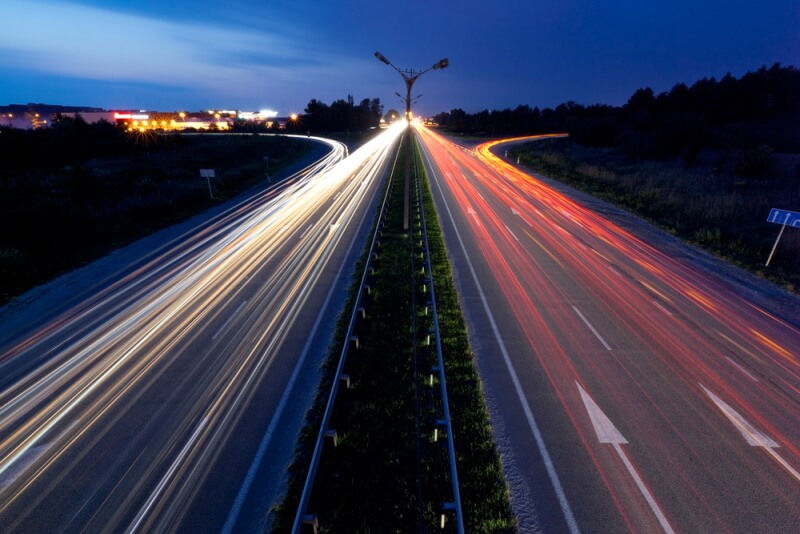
x,y
628,391
169,396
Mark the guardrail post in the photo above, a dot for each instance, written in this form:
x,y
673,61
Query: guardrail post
x,y
446,507
434,371
312,521
346,380
439,422
331,433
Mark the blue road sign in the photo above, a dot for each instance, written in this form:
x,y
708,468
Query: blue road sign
x,y
789,218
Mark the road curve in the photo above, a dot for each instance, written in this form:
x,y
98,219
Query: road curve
x,y
152,403
628,390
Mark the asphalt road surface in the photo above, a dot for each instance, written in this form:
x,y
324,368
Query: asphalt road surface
x,y
629,391
169,396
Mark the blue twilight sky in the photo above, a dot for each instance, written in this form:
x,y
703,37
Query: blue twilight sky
x,y
279,54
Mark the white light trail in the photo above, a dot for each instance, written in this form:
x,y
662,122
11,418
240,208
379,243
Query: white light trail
x,y
267,254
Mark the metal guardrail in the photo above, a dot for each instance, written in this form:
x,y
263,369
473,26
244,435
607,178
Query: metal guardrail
x,y
302,516
446,421
302,513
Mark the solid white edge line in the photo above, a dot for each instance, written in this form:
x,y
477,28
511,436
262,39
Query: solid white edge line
x,y
572,525
595,332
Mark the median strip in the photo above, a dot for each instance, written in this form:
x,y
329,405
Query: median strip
x,y
385,456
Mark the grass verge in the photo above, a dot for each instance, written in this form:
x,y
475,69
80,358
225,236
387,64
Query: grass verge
x,y
718,211
54,219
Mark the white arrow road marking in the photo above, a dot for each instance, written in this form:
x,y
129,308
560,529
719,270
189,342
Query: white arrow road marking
x,y
605,429
754,437
514,211
748,431
608,433
474,214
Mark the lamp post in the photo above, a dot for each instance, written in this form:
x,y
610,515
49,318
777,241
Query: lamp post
x,y
409,77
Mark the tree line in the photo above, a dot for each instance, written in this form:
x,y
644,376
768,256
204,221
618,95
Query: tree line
x,y
758,111
71,139
340,116
71,191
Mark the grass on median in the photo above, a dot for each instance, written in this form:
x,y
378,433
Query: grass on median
x,y
386,474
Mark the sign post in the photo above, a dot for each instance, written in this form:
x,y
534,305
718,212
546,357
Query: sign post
x,y
208,174
784,218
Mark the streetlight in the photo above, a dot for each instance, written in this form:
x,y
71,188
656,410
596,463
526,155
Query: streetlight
x,y
409,76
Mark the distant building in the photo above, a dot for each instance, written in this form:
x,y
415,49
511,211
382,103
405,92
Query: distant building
x,y
91,116
29,116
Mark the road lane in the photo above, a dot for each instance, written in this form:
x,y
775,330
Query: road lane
x,y
579,300
142,407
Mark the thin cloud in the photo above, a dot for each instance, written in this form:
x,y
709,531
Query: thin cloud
x,y
86,42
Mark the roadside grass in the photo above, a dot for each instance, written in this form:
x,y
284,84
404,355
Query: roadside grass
x,y
387,474
54,219
704,204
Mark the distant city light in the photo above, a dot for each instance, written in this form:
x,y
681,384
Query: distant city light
x,y
131,116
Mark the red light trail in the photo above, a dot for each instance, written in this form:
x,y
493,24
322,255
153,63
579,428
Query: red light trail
x,y
656,342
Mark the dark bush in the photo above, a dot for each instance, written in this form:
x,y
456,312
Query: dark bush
x,y
754,162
